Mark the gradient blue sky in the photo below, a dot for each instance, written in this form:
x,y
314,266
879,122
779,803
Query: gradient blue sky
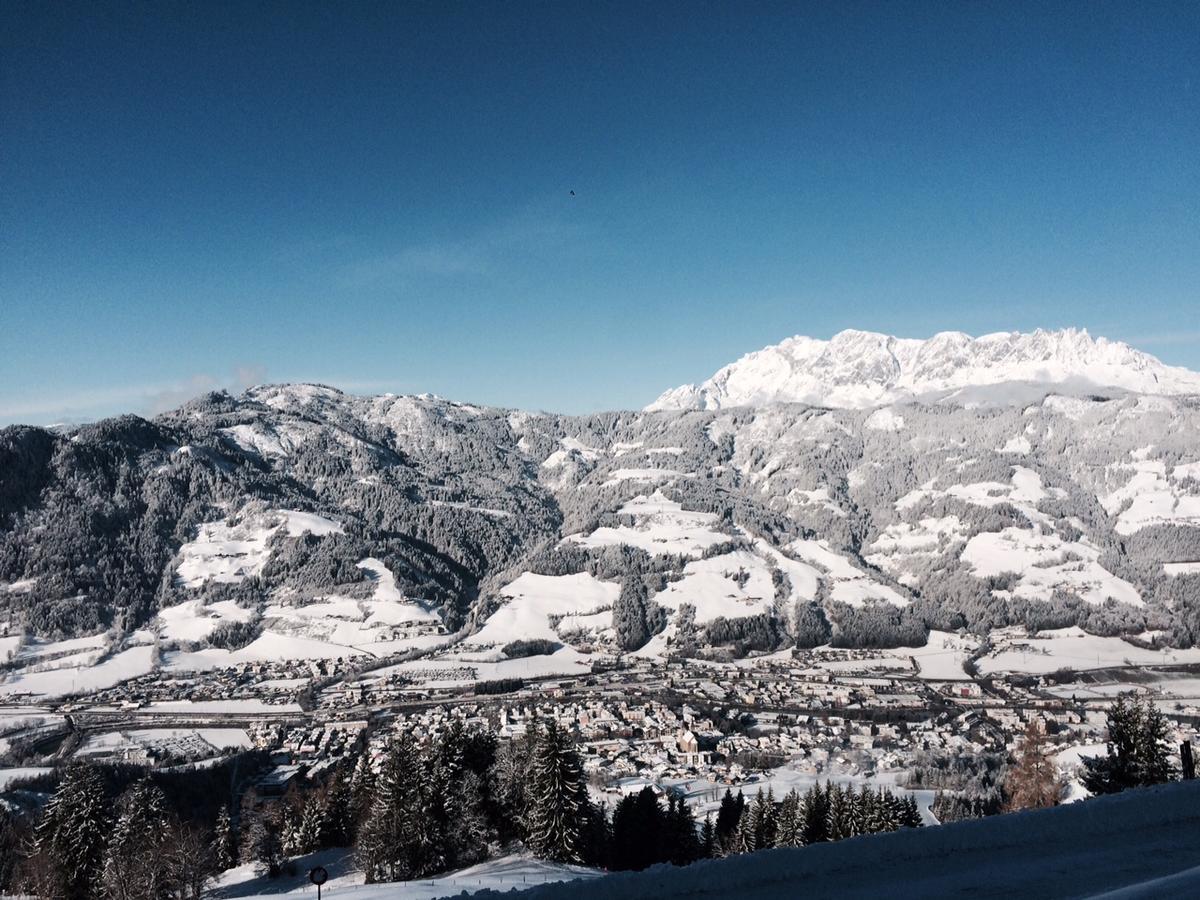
x,y
377,195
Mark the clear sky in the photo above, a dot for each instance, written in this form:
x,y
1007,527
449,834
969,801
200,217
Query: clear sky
x,y
377,196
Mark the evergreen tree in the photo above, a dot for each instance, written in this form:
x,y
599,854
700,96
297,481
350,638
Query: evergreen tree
x,y
557,797
398,844
289,826
260,832
224,844
839,812
857,805
458,798
708,838
1137,750
10,842
768,823
73,832
510,781
135,865
750,826
680,827
339,823
815,814
597,836
789,830
1153,747
362,789
728,818
910,813
311,824
638,831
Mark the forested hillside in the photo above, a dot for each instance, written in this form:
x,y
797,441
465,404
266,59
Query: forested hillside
x,y
746,529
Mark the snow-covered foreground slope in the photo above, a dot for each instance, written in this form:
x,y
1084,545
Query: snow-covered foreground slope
x,y
861,368
1140,843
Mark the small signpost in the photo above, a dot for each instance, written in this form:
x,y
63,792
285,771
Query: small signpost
x,y
318,876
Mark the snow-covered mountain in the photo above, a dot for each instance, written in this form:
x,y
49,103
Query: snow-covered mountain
x,y
858,369
304,518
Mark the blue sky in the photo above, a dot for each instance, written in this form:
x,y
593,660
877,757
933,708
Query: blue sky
x,y
378,195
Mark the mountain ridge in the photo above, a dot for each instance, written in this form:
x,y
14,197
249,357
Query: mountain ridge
x,y
860,369
658,532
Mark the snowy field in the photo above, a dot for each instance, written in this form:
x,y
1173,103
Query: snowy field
x,y
230,552
1151,496
506,874
849,584
582,601
459,669
1072,648
733,585
386,622
1141,844
62,682
1045,562
193,743
270,645
660,526
9,775
943,656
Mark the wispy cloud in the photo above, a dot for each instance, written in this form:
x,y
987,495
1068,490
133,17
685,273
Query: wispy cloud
x,y
88,404
527,234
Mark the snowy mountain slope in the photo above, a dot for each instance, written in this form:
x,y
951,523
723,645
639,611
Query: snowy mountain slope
x,y
299,520
856,369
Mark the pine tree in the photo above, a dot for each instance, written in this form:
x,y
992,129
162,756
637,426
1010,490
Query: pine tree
x,y
134,864
746,840
838,812
1137,750
789,830
684,846
289,828
857,805
11,840
458,812
339,823
880,811
362,789
910,813
597,836
640,836
728,819
224,844
511,779
815,813
74,830
768,824
311,825
1153,748
708,838
1033,783
399,843
469,831
557,797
